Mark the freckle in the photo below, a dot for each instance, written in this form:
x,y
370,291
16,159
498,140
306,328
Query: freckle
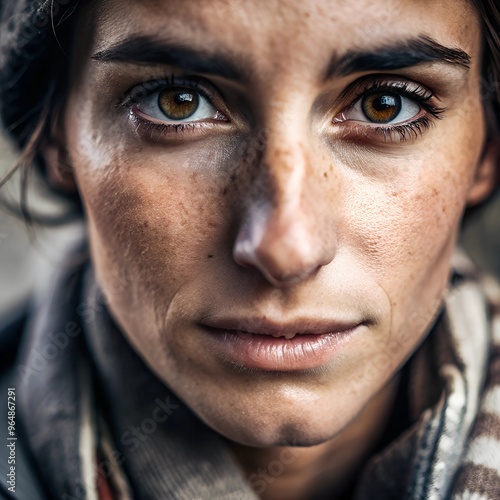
x,y
209,256
325,175
224,191
146,223
435,191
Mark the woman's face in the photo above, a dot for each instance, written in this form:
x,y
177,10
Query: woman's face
x,y
276,168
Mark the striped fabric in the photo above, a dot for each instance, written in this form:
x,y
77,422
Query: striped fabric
x,y
452,451
478,477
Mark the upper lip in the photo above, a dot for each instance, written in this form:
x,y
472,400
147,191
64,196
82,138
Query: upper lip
x,y
289,329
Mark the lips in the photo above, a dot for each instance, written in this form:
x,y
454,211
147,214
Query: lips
x,y
270,346
257,326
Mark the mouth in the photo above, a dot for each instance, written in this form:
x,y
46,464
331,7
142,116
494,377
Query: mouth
x,y
272,346
257,326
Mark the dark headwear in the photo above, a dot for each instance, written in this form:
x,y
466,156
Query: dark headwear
x,y
30,34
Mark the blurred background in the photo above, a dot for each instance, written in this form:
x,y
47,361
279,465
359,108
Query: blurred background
x,y
25,260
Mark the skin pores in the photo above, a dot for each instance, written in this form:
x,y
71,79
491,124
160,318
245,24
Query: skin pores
x,y
285,206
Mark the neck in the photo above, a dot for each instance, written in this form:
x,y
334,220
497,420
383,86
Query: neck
x,y
329,468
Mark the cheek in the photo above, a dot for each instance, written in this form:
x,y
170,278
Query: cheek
x,y
403,230
160,221
409,210
404,225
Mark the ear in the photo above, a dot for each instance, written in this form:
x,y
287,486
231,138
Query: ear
x,y
487,175
58,166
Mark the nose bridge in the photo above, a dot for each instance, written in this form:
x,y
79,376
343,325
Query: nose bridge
x,y
282,234
285,164
287,154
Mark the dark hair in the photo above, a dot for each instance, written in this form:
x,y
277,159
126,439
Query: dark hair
x,y
489,13
35,129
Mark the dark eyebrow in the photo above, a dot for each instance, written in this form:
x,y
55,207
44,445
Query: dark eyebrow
x,y
148,50
403,54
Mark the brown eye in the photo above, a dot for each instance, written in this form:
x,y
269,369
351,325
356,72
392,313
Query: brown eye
x,y
381,107
178,103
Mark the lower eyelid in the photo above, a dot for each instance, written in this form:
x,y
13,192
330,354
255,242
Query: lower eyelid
x,y
159,132
135,111
358,131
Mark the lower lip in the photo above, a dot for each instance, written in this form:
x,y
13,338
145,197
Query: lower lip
x,y
268,353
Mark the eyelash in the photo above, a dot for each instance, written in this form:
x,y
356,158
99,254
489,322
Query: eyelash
x,y
401,132
361,88
152,86
130,100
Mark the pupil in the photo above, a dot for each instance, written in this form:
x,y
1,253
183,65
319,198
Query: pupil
x,y
381,107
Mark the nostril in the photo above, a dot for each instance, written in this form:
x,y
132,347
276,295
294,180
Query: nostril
x,y
292,278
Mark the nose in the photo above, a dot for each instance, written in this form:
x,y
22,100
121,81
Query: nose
x,y
287,231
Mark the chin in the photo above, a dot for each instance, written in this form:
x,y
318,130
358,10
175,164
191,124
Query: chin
x,y
287,430
288,435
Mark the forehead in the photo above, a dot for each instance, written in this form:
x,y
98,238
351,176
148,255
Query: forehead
x,y
261,27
